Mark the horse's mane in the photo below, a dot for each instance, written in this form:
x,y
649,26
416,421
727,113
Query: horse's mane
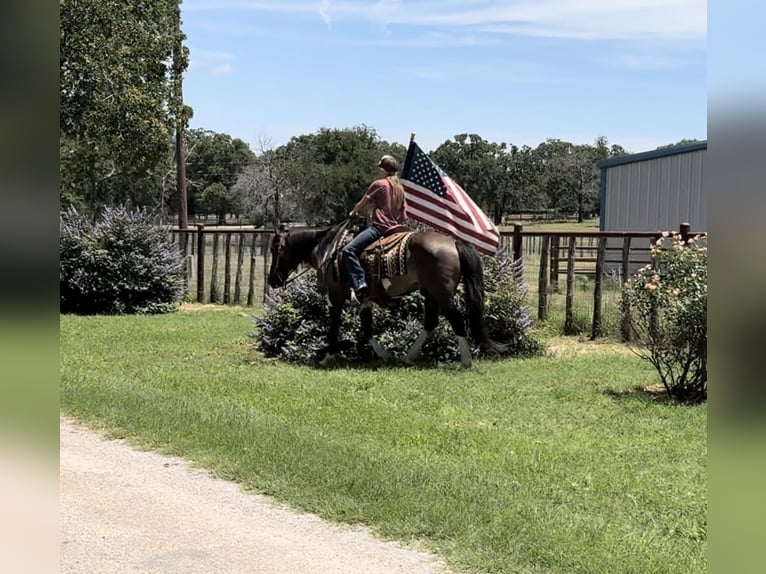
x,y
328,240
315,241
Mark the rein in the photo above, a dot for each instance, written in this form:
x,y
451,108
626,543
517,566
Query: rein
x,y
322,261
294,277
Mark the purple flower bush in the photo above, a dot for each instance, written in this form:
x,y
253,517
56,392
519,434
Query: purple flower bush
x,y
296,318
122,263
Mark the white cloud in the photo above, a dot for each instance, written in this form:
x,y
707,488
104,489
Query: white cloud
x,y
210,62
579,19
487,72
585,19
324,12
643,62
430,40
221,70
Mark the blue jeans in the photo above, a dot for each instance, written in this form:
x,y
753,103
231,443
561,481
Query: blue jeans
x,y
351,254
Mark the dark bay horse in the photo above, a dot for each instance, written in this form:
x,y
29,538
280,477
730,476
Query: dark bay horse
x,y
435,264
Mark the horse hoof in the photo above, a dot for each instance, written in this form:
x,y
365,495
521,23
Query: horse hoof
x,y
380,351
328,361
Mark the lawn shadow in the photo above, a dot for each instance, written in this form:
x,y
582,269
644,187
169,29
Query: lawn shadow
x,y
653,394
393,364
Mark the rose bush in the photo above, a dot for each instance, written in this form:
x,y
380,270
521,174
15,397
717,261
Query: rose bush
x,y
665,304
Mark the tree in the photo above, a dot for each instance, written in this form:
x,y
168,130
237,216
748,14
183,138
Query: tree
x,y
262,189
115,99
570,174
527,194
215,198
214,158
682,141
483,169
328,171
551,158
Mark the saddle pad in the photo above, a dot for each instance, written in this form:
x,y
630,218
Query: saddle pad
x,y
386,257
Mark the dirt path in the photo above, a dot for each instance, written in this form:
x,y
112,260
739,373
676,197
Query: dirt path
x,y
124,511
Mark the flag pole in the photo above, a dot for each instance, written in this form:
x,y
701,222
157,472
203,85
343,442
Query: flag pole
x,y
412,136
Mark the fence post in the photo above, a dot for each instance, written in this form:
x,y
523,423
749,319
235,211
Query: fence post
x,y
685,232
596,330
214,295
555,247
227,270
265,253
251,277
542,285
200,263
517,241
240,262
183,243
625,326
569,326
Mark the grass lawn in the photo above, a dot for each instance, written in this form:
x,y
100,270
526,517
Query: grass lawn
x,y
553,464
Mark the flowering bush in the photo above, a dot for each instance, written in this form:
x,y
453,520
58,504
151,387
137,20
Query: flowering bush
x,y
666,306
121,263
508,317
295,321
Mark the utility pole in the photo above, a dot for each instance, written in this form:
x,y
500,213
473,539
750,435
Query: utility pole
x,y
183,213
178,67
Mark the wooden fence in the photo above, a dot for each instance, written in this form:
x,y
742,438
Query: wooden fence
x,y
230,266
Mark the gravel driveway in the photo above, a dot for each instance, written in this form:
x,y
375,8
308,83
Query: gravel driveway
x,y
126,511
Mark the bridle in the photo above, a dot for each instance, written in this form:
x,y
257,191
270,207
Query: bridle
x,y
322,262
288,279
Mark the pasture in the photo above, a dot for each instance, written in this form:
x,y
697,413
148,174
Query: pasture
x,y
553,464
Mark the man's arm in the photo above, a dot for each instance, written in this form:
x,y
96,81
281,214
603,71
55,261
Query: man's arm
x,y
359,206
366,198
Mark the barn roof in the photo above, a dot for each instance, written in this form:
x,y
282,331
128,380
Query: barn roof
x,y
653,154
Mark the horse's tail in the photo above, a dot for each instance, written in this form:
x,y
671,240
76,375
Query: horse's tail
x,y
472,272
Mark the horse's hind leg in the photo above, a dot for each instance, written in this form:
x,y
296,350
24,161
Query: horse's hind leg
x,y
365,316
457,322
430,320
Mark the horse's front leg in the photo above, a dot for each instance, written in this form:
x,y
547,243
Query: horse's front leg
x,y
430,321
333,337
365,315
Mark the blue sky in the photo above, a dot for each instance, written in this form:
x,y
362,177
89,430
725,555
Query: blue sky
x,y
516,71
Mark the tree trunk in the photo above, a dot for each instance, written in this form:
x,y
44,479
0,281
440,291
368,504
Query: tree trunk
x,y
277,215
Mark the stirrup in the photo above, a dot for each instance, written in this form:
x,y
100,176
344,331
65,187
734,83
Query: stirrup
x,y
355,298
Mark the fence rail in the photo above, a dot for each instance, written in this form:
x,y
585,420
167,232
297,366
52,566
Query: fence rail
x,y
230,266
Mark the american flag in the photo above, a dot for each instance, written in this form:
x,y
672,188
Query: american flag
x,y
435,199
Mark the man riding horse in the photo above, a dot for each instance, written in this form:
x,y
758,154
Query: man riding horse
x,y
390,213
432,262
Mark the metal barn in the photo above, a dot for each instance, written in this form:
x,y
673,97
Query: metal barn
x,y
655,190
652,191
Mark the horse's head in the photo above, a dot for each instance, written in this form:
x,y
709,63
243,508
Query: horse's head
x,y
284,260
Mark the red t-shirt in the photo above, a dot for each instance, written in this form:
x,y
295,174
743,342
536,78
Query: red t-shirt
x,y
383,217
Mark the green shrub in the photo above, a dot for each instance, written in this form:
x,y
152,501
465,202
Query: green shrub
x,y
121,263
296,318
666,307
